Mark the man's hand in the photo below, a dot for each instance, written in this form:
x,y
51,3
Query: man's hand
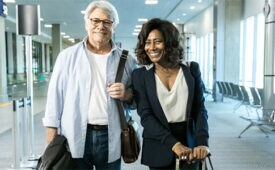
x,y
118,91
51,132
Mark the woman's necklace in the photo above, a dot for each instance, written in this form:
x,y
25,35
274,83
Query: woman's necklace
x,y
167,73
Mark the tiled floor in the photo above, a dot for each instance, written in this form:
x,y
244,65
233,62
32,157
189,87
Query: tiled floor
x,y
251,152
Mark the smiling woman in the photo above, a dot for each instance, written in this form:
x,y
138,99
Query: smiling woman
x,y
228,39
169,100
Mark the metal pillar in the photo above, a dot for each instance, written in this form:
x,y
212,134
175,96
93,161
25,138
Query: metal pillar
x,y
269,55
218,47
28,42
21,134
16,132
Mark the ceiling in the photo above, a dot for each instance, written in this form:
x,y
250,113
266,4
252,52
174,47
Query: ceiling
x,y
67,14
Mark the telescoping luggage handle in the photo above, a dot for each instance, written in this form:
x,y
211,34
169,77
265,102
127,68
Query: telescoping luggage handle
x,y
203,165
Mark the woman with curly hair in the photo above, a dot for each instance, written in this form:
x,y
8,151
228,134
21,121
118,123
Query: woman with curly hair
x,y
170,102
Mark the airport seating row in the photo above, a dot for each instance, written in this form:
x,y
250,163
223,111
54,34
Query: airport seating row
x,y
251,98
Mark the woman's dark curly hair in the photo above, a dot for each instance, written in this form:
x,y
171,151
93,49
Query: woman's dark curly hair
x,y
173,51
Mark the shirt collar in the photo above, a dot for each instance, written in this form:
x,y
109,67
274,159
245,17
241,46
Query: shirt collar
x,y
114,47
149,66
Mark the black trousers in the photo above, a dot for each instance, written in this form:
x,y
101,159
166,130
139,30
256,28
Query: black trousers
x,y
178,130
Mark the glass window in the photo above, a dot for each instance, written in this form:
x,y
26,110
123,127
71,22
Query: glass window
x,y
193,47
241,53
210,61
252,51
249,52
198,50
204,56
259,57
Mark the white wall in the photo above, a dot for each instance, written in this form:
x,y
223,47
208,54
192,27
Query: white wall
x,y
201,24
253,7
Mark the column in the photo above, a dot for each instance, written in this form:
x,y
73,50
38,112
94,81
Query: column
x,y
3,67
48,66
218,46
43,69
269,54
56,41
20,63
9,53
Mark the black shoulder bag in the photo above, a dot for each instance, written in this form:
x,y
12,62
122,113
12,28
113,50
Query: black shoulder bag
x,y
56,156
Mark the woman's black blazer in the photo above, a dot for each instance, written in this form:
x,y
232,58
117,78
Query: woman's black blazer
x,y
157,137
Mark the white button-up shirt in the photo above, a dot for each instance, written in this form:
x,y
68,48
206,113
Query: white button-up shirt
x,y
69,94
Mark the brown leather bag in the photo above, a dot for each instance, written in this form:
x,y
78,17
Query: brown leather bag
x,y
130,143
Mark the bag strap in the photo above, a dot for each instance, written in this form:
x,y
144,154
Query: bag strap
x,y
118,78
121,65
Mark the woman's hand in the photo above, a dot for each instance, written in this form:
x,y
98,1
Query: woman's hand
x,y
181,151
198,153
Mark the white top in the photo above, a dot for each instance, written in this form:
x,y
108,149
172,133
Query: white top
x,y
173,102
69,98
98,114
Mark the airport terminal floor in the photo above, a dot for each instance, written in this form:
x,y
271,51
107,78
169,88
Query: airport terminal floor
x,y
253,151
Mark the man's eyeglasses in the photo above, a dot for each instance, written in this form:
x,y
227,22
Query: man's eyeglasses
x,y
106,23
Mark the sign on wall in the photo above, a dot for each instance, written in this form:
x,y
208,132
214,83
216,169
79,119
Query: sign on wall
x,y
3,9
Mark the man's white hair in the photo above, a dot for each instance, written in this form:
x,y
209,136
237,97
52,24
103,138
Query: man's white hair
x,y
105,6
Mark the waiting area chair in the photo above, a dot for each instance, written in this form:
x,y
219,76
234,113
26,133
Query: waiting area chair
x,y
266,122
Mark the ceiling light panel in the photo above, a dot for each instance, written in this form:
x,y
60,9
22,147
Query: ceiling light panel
x,y
151,2
9,1
142,20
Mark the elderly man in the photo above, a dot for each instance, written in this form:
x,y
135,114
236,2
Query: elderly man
x,y
82,90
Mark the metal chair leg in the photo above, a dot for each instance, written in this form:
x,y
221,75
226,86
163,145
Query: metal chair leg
x,y
247,127
264,131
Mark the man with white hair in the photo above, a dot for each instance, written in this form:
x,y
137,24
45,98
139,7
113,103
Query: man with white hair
x,y
82,92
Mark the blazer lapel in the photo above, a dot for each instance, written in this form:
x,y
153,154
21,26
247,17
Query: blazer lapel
x,y
190,84
150,84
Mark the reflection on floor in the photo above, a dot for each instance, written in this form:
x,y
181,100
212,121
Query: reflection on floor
x,y
251,152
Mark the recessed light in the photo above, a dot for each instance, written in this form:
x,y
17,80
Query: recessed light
x,y
137,30
142,19
192,7
48,26
9,1
151,2
138,26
